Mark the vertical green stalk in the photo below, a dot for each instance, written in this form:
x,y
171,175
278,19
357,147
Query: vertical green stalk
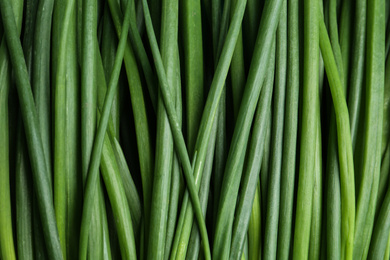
x,y
41,77
289,157
265,166
132,196
136,41
7,248
385,156
143,136
23,182
208,116
316,222
334,197
381,231
74,183
118,200
88,123
334,214
193,60
194,241
126,237
235,160
273,195
220,153
375,77
387,252
334,37
347,177
237,74
24,198
346,16
41,88
355,102
237,71
33,136
164,143
88,82
6,234
250,179
333,205
175,175
309,129
108,49
65,79
250,26
254,227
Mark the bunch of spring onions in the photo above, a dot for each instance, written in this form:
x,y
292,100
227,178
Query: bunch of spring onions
x,y
194,129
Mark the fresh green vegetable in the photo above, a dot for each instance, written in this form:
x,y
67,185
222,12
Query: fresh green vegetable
x,y
167,129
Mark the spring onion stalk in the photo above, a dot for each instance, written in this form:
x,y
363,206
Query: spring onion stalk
x,y
41,77
254,228
237,69
206,126
334,204
216,8
254,156
355,96
235,160
138,46
176,181
146,158
370,173
386,110
309,129
6,235
7,247
213,99
24,195
116,193
132,196
344,146
204,192
218,35
334,213
92,180
164,143
251,26
29,113
265,166
23,181
334,37
346,16
108,48
385,161
173,207
381,231
387,252
220,152
212,103
175,126
289,157
74,180
180,227
63,75
41,89
113,177
259,160
273,195
316,221
333,217
193,57
96,244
